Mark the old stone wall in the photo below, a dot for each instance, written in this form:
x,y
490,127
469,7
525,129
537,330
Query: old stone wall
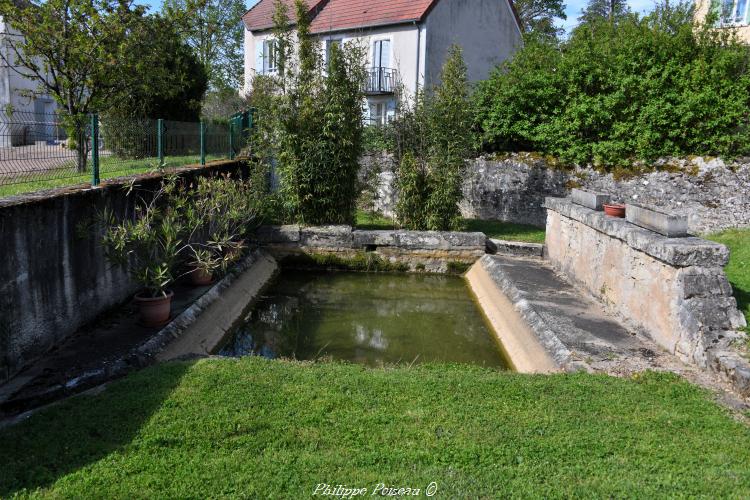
x,y
53,274
672,289
713,194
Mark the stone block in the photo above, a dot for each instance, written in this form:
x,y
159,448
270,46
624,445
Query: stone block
x,y
503,247
278,234
381,238
326,236
667,224
589,199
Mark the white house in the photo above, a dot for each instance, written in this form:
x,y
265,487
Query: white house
x,y
26,115
408,40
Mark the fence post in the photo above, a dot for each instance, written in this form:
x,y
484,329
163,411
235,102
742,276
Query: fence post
x,y
203,143
94,149
231,138
160,140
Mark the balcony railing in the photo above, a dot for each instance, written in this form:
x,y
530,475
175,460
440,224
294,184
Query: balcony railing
x,y
380,81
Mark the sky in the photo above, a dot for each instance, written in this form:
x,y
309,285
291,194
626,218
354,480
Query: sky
x,y
573,10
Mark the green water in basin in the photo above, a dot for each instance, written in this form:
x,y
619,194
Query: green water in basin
x,y
373,319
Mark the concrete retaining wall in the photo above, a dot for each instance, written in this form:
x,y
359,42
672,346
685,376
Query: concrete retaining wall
x,y
672,289
53,274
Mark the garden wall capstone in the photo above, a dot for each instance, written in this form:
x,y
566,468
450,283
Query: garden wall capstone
x,y
430,251
672,289
715,195
53,274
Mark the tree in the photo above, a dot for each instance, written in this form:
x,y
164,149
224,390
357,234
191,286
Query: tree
x,y
433,140
214,30
538,16
310,124
221,104
89,55
604,9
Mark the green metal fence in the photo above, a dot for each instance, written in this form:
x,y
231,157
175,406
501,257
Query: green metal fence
x,y
35,152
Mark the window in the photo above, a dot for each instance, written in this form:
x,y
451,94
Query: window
x,y
731,12
381,54
270,56
329,44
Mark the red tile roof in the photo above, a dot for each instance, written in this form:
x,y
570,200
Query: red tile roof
x,y
260,16
338,15
351,14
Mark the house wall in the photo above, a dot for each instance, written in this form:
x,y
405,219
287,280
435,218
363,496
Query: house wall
x,y
29,105
404,42
701,11
485,29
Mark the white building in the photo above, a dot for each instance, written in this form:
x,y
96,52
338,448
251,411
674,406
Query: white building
x,y
408,40
26,115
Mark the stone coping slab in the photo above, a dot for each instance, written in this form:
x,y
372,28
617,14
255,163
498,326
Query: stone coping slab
x,y
678,252
503,247
347,237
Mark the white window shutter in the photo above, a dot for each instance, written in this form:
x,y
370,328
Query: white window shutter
x,y
259,67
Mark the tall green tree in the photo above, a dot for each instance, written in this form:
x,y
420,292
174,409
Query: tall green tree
x,y
214,30
538,16
433,139
610,10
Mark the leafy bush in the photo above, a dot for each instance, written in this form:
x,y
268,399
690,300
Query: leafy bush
x,y
432,141
616,92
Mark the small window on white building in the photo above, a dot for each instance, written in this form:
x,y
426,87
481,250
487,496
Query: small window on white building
x,y
731,12
270,56
381,54
329,44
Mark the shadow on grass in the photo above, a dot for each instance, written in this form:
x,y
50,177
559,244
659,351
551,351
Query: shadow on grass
x,y
50,444
506,230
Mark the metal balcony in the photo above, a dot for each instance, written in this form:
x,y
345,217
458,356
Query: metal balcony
x,y
380,81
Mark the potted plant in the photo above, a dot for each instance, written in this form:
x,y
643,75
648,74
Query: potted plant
x,y
148,246
219,212
614,209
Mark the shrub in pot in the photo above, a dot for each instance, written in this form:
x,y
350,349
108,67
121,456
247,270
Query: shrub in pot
x,y
219,214
148,246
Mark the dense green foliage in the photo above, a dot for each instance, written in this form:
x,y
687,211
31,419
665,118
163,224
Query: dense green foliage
x,y
738,269
310,124
212,28
433,138
615,92
258,428
538,17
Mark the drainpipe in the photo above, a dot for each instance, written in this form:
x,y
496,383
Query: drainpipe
x,y
419,50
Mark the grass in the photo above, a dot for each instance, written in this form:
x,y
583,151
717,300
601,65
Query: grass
x,y
254,427
738,269
109,167
492,228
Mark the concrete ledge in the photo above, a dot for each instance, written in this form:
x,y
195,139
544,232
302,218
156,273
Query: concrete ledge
x,y
529,344
678,252
503,247
203,334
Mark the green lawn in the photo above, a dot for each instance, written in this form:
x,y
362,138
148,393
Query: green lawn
x,y
738,269
492,228
253,427
109,167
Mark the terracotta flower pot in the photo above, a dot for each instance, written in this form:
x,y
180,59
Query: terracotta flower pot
x,y
155,311
615,210
201,277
